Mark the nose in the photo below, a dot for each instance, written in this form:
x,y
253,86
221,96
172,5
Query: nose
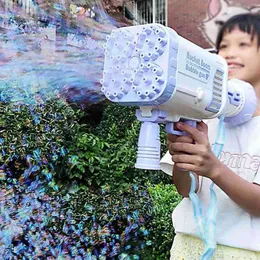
x,y
229,53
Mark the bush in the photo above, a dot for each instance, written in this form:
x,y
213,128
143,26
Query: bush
x,y
33,138
115,222
45,140
107,155
164,198
120,117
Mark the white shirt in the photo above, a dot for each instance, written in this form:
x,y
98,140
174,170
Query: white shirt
x,y
241,153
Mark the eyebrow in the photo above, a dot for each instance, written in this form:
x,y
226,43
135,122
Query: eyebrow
x,y
239,39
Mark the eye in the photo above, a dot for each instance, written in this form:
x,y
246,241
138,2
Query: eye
x,y
222,46
219,23
242,44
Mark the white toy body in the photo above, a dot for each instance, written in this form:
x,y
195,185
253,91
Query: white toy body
x,y
170,79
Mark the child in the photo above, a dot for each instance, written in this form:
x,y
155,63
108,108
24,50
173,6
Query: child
x,y
236,173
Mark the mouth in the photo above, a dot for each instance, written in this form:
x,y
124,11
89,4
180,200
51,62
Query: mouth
x,y
234,66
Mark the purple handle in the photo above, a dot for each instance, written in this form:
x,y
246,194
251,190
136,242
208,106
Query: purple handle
x,y
170,127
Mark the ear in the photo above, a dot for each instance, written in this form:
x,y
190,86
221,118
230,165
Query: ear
x,y
255,9
215,6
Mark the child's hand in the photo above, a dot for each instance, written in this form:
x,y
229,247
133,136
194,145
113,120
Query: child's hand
x,y
177,139
171,139
197,157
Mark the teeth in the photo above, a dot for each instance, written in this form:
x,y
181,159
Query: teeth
x,y
235,66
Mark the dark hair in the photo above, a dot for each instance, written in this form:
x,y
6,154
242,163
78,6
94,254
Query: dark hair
x,y
248,23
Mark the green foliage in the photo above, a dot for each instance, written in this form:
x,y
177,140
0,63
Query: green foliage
x,y
97,157
120,117
117,120
107,155
110,216
35,134
165,198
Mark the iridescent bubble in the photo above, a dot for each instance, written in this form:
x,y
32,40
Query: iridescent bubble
x,y
50,50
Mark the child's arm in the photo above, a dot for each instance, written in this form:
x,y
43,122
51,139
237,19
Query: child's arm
x,y
242,192
182,181
202,161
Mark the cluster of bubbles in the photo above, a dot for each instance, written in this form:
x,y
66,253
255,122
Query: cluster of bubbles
x,y
35,225
54,50
49,51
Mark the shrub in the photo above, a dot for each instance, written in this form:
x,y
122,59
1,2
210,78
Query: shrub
x,y
47,139
33,138
164,199
107,155
113,222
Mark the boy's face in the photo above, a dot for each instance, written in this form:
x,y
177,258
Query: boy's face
x,y
242,55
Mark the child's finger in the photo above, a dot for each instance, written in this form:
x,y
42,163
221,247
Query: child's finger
x,y
186,158
183,148
171,138
184,139
201,126
186,148
179,139
186,167
198,136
